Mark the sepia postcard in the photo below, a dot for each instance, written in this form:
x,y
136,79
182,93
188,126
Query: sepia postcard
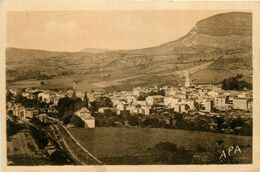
x,y
133,85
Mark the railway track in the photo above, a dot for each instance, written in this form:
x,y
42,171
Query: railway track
x,y
77,152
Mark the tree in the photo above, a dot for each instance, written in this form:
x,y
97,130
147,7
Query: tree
x,y
9,96
85,100
77,121
237,122
180,123
152,122
67,116
169,153
100,102
78,104
65,104
104,102
219,120
235,83
133,120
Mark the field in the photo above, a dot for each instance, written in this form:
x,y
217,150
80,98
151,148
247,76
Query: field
x,y
116,142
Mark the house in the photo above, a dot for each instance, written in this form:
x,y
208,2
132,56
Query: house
x,y
171,91
139,91
121,106
212,93
116,100
56,99
181,108
244,95
85,115
142,103
106,110
208,105
45,96
43,118
155,100
31,96
131,99
35,112
240,103
13,91
145,110
250,105
28,113
222,103
171,101
189,102
19,111
138,109
182,96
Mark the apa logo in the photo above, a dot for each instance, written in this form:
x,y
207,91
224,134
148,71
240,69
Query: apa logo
x,y
226,154
232,150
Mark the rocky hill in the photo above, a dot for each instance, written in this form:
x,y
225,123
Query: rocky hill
x,y
222,44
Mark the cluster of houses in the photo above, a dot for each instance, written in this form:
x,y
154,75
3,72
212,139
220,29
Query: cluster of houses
x,y
190,98
141,100
26,114
203,98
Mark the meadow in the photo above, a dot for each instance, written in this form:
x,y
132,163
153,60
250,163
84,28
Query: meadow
x,y
116,142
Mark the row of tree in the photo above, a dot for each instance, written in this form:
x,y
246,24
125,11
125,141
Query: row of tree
x,y
236,83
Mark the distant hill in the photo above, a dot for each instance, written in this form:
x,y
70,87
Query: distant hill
x,y
215,48
94,50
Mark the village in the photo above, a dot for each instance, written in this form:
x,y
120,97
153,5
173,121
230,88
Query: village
x,y
192,101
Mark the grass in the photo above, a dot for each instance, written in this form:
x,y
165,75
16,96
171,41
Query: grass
x,y
22,150
116,142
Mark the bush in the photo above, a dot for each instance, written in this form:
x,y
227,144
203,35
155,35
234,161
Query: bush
x,y
39,137
168,153
77,121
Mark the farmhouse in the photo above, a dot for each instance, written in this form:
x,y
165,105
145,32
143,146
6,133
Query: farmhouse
x,y
85,115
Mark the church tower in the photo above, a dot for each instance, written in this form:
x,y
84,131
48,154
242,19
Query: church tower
x,y
187,76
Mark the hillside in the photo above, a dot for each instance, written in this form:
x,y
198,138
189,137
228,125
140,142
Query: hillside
x,y
94,50
215,48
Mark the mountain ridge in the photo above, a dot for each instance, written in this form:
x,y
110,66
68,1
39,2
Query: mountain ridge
x,y
214,40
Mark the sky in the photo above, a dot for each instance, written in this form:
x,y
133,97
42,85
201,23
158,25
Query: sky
x,y
114,30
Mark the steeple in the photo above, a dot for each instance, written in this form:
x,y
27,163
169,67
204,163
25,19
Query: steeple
x,y
187,76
